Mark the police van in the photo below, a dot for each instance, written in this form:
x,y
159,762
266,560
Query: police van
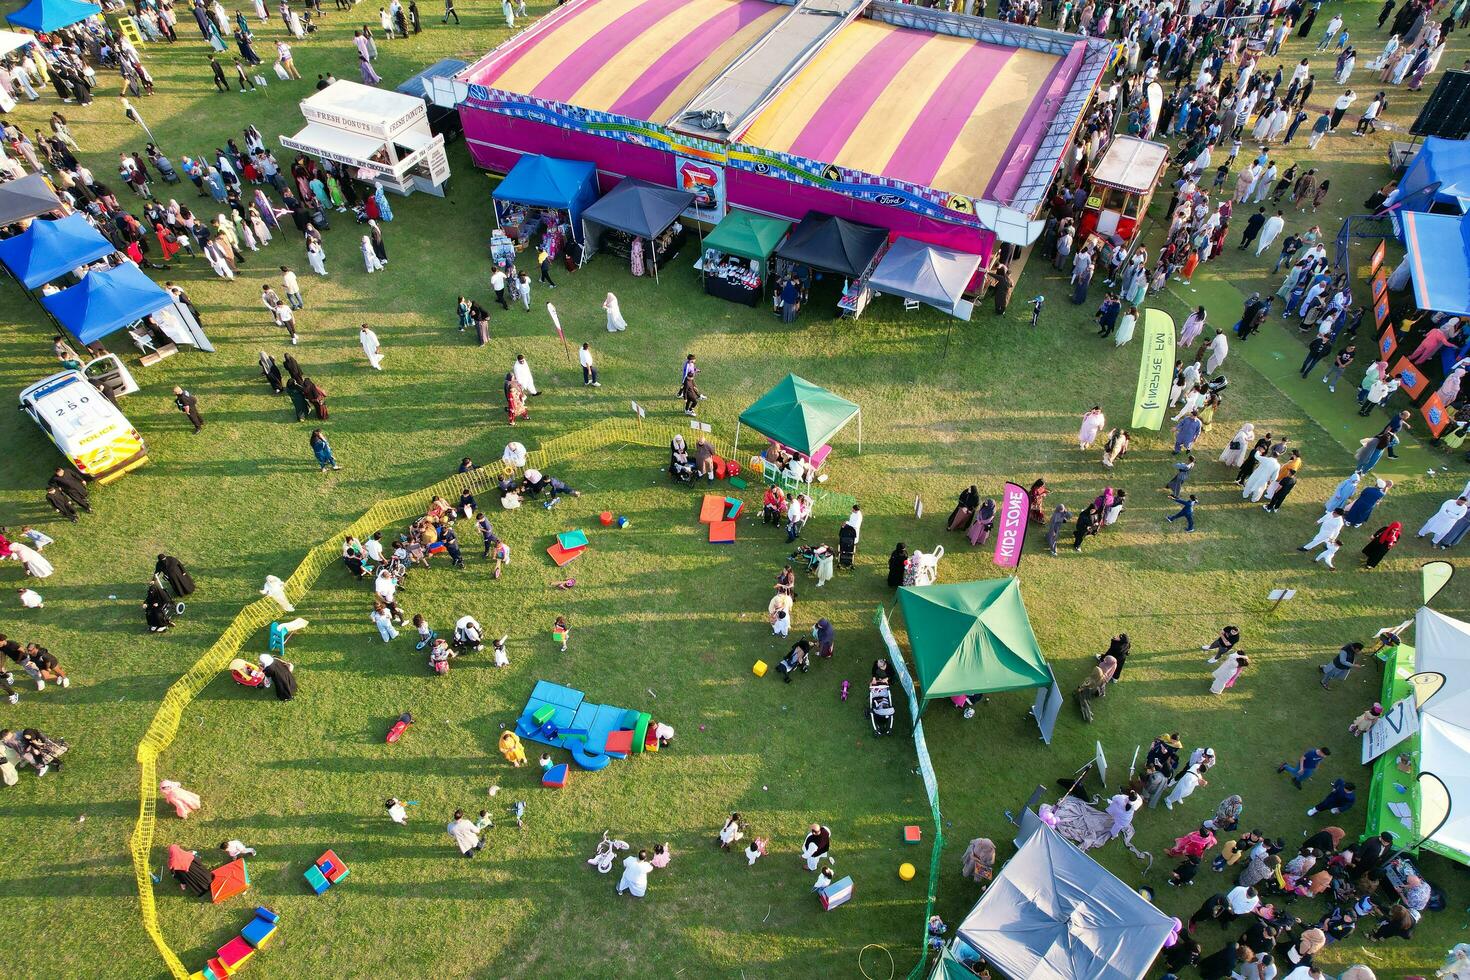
x,y
96,438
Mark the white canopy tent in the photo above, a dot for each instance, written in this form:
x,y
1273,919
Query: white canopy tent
x,y
13,41
1442,689
384,135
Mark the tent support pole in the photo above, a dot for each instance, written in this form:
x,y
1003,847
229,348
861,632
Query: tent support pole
x,y
860,432
653,251
735,453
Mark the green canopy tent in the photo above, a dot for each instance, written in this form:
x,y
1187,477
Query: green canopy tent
x,y
800,415
972,638
948,967
745,235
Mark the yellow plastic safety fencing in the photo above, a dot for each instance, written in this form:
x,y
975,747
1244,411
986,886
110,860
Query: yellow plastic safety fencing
x,y
259,614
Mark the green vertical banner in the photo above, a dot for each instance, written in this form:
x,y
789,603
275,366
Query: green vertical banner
x,y
1156,373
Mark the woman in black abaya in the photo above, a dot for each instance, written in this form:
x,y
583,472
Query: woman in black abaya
x,y
281,674
178,577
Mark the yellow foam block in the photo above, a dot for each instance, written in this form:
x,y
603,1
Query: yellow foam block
x,y
759,669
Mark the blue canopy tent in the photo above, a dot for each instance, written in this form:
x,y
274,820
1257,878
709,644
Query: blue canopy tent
x,y
48,250
1439,260
106,301
1443,162
547,182
52,15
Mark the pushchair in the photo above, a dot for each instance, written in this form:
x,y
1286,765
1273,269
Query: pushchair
x,y
846,545
810,556
880,709
923,567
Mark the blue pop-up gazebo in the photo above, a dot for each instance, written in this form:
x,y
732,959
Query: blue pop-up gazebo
x,y
48,250
52,15
547,182
106,301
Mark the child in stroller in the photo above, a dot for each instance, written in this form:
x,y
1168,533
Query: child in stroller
x,y
811,556
36,749
880,709
799,658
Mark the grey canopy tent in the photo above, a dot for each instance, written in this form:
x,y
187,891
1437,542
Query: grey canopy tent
x,y
1053,913
634,207
26,198
832,244
927,273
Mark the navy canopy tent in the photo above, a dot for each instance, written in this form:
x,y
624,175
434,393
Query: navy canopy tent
x,y
52,15
48,250
1442,162
634,207
547,182
26,198
831,244
106,301
1439,260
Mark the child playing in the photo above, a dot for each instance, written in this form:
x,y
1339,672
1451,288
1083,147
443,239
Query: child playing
x,y
236,849
781,626
519,809
824,878
501,660
561,632
1037,302
1184,874
426,635
500,554
545,761
439,655
383,619
30,598
755,850
397,812
1221,173
483,823
38,540
662,855
937,929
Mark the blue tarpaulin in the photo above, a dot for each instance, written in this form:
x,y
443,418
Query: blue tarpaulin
x,y
547,182
106,301
1442,161
52,15
1439,260
48,250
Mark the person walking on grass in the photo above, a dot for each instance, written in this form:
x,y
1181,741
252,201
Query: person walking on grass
x,y
1305,766
1186,511
323,451
464,835
189,405
589,368
370,346
293,288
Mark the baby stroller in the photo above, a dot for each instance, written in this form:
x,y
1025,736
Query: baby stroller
x,y
880,709
810,556
923,567
846,545
607,851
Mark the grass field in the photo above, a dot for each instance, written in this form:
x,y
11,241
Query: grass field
x,y
663,621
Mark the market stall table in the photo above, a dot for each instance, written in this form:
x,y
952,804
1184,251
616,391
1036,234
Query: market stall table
x,y
736,262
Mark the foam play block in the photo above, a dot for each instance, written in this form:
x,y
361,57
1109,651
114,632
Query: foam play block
x,y
619,741
738,483
732,508
759,669
606,517
229,880
331,861
234,953
259,930
836,893
217,969
198,975
650,741
722,532
562,555
316,879
711,509
912,834
640,730
557,694
543,714
576,538
556,776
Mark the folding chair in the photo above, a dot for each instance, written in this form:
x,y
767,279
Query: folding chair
x,y
909,305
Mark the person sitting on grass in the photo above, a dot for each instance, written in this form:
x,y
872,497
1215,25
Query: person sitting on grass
x,y
681,467
773,505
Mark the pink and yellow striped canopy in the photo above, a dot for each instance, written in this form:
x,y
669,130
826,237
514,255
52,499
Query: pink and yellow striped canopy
x,y
639,58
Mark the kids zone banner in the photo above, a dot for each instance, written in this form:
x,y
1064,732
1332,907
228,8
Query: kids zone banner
x,y
1010,538
1156,372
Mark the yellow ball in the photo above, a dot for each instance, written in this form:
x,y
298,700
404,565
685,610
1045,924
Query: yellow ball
x,y
906,871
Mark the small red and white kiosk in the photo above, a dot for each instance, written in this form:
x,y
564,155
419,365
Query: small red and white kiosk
x,y
1121,186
